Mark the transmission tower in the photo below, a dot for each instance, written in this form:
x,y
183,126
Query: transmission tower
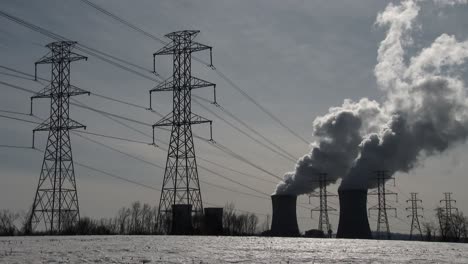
x,y
446,224
56,200
181,184
323,194
415,206
382,218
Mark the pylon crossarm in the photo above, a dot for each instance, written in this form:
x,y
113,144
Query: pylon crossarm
x,y
196,119
47,59
165,121
44,93
69,125
196,83
166,85
195,46
73,90
168,49
44,126
76,57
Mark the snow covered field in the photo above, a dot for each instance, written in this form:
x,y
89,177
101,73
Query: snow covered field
x,y
170,249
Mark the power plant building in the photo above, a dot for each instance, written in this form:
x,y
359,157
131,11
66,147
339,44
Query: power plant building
x,y
181,219
213,221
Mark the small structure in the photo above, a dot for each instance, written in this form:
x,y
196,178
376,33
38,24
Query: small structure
x,y
181,219
213,221
314,233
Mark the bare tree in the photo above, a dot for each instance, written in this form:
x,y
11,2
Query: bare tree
x,y
7,222
459,225
430,230
252,224
122,218
229,217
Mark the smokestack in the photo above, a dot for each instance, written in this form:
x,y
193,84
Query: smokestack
x,y
353,215
213,221
284,216
181,219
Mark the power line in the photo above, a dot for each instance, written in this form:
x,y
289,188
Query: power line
x,y
113,137
123,21
110,115
218,72
217,145
237,171
162,167
251,129
86,49
92,93
19,119
243,132
261,107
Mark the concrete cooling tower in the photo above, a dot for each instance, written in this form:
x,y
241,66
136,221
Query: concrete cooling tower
x,y
353,215
284,221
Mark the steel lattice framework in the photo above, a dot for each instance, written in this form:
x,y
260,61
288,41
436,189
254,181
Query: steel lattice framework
x,y
415,206
56,200
323,209
382,218
181,184
446,218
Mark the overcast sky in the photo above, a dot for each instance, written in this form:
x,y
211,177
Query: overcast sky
x,y
297,58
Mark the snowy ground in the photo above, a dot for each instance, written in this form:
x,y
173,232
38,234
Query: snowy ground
x,y
170,249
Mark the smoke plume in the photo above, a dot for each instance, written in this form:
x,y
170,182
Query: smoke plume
x,y
424,111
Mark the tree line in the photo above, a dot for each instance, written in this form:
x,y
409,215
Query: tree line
x,y
448,228
137,219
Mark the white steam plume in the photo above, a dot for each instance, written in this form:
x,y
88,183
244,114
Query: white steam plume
x,y
425,112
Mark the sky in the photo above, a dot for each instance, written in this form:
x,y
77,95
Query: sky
x,y
296,58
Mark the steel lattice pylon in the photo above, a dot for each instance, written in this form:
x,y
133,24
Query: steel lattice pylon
x,y
323,209
181,184
446,216
415,214
56,200
382,218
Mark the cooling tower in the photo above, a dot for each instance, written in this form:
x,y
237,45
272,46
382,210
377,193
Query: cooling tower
x,y
284,221
213,221
353,215
181,219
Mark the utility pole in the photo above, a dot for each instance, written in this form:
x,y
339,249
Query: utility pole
x,y
323,194
382,219
415,206
181,185
56,200
446,223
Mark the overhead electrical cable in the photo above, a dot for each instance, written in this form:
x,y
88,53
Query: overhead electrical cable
x,y
243,132
86,49
218,72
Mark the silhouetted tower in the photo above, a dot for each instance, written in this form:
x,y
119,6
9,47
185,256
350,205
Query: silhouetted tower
x,y
446,223
56,200
181,186
382,218
323,209
415,206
